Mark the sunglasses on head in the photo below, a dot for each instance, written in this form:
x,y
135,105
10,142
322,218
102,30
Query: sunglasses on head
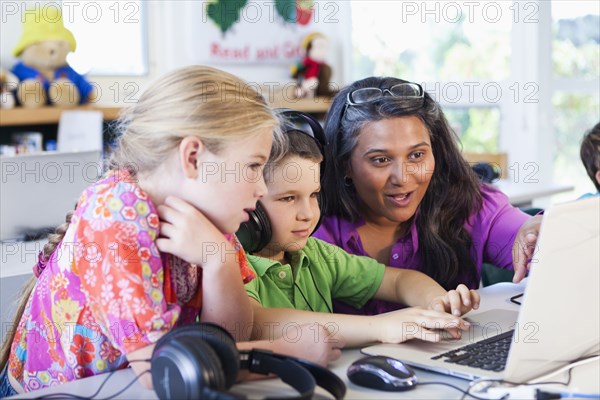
x,y
407,90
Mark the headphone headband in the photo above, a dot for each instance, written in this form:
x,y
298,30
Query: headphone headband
x,y
255,234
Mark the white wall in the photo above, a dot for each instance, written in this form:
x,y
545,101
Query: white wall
x,y
175,32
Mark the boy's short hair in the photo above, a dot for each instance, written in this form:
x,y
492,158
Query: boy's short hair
x,y
297,144
590,153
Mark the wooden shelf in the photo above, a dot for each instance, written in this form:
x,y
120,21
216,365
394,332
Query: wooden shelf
x,y
314,105
51,115
47,115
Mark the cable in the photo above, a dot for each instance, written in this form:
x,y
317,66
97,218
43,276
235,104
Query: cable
x,y
318,291
518,389
569,367
61,395
74,396
464,392
126,387
566,395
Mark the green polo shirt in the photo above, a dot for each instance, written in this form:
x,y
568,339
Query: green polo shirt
x,y
317,274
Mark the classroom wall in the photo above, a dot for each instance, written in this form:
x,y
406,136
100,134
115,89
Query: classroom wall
x,y
175,34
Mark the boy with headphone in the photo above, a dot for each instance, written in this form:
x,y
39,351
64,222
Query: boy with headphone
x,y
298,276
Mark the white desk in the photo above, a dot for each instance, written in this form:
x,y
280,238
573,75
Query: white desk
x,y
522,194
584,378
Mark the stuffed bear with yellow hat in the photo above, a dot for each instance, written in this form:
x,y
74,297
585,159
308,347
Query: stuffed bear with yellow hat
x,y
44,75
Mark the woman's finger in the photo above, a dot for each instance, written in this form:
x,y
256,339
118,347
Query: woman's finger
x,y
475,299
465,294
455,301
438,304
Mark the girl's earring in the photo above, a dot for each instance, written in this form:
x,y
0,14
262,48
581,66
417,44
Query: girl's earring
x,y
347,181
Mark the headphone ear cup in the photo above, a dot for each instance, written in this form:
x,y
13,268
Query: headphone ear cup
x,y
184,367
321,203
256,233
224,346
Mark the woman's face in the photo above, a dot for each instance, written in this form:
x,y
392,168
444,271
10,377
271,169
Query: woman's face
x,y
391,167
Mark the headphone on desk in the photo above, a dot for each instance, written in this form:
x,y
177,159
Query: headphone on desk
x,y
202,361
256,233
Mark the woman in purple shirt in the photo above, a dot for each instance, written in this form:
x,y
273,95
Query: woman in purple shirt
x,y
400,191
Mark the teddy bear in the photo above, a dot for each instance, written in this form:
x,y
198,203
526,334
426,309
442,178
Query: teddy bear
x,y
313,74
44,76
8,84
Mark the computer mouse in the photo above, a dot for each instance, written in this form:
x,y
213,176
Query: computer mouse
x,y
382,373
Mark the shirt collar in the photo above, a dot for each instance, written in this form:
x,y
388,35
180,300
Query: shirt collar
x,y
352,234
261,264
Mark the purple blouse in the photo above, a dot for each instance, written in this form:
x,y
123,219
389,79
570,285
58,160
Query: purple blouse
x,y
493,229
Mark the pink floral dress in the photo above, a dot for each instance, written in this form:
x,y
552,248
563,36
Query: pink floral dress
x,y
105,291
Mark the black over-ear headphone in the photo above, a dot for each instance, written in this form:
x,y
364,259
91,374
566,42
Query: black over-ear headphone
x,y
202,361
256,233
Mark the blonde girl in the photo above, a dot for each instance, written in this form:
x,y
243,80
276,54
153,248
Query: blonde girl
x,y
150,246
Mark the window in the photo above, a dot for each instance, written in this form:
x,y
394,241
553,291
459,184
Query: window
x,y
111,37
576,63
461,46
543,57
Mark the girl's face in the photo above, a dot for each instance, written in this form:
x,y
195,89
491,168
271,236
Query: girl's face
x,y
391,168
229,184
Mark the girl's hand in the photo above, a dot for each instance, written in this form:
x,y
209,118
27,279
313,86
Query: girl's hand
x,y
457,302
312,342
417,322
186,233
524,246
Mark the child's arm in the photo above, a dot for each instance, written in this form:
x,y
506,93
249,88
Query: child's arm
x,y
187,233
140,364
392,327
414,288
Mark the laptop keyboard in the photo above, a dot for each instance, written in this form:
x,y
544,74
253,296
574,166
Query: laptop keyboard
x,y
489,354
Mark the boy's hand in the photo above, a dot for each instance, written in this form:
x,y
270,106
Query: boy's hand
x,y
312,342
417,323
457,302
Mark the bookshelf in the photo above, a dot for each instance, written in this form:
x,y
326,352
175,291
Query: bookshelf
x,y
51,115
47,115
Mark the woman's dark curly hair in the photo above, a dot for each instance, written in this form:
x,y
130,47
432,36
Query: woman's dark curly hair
x,y
453,193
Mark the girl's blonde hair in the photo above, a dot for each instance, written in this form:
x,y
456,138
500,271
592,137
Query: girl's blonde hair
x,y
200,101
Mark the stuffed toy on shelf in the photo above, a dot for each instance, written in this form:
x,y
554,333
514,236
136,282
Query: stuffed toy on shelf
x,y
8,84
45,78
312,74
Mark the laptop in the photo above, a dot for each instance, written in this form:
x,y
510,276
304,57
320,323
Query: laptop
x,y
38,190
559,316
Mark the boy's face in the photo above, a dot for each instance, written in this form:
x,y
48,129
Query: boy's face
x,y
291,204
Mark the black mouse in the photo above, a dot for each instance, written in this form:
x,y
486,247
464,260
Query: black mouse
x,y
382,373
